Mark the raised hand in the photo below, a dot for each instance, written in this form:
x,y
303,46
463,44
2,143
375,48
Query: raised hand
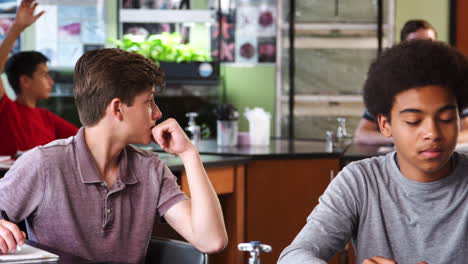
x,y
25,13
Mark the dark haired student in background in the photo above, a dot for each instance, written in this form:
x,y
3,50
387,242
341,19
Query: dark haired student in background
x,y
417,29
367,131
23,125
411,205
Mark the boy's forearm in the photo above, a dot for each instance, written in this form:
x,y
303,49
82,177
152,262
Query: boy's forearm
x,y
372,137
207,217
300,256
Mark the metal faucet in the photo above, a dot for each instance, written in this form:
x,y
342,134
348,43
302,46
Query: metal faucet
x,y
254,247
193,129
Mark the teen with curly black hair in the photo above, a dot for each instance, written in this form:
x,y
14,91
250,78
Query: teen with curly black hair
x,y
421,63
411,205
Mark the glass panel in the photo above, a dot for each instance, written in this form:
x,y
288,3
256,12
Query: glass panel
x,y
332,71
337,11
314,127
170,4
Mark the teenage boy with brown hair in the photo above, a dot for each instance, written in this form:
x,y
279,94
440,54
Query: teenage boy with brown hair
x,y
23,125
409,206
94,194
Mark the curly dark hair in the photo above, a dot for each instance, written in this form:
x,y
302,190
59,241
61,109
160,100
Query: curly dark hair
x,y
413,26
413,64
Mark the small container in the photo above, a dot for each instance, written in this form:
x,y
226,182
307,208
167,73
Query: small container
x,y
227,131
329,141
193,130
259,126
259,132
243,139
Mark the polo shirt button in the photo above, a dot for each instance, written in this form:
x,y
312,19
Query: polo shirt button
x,y
103,184
108,211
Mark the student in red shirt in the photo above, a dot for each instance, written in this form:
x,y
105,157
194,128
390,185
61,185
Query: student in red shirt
x,y
23,125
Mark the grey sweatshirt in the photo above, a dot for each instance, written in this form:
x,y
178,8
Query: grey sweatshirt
x,y
386,214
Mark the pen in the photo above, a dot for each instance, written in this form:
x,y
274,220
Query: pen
x,y
4,215
6,218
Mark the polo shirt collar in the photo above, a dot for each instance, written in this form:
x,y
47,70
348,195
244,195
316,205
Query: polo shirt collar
x,y
87,167
125,174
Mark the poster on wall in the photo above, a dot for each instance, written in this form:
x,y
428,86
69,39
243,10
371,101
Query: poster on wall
x,y
255,32
223,38
246,49
246,30
146,29
5,26
246,20
46,43
266,49
151,4
66,30
7,6
266,18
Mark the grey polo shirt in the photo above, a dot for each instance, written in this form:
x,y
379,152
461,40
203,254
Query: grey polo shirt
x,y
57,188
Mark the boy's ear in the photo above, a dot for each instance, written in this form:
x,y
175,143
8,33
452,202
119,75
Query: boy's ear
x,y
384,125
24,81
116,108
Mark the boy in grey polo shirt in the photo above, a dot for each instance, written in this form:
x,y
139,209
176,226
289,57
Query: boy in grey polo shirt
x,y
410,206
95,195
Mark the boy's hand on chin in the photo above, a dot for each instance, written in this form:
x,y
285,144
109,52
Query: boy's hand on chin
x,y
171,138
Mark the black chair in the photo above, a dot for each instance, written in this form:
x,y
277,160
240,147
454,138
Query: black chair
x,y
165,251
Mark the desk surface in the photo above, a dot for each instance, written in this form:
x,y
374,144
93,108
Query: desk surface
x,y
278,149
64,258
175,163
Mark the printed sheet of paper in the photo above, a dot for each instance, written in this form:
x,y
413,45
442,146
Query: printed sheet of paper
x,y
28,254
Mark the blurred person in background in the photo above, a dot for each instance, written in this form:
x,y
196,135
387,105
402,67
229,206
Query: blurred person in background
x,y
23,125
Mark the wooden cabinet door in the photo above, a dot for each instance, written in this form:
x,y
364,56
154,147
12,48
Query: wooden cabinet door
x,y
461,26
280,194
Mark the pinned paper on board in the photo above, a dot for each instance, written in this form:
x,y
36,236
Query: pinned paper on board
x,y
67,29
246,49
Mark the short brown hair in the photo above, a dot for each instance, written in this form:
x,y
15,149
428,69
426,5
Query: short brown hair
x,y
104,74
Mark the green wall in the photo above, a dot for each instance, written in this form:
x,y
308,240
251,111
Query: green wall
x,y
435,12
249,86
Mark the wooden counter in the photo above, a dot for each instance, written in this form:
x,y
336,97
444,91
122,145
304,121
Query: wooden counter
x,y
268,198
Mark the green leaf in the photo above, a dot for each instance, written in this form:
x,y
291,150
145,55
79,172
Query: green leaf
x,y
161,47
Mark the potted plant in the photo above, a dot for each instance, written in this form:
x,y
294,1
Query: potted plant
x,y
179,61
